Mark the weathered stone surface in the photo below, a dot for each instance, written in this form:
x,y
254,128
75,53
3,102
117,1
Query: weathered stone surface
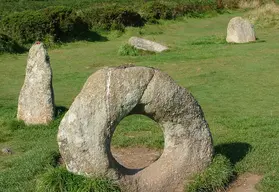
x,y
146,45
240,31
108,96
36,99
7,151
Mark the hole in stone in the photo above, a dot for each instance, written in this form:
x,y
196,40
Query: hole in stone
x,y
137,142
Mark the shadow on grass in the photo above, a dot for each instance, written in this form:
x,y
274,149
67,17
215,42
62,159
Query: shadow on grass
x,y
8,45
251,42
235,152
91,36
60,110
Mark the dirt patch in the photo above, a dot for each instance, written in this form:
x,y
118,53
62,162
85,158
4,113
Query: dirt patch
x,y
245,183
138,157
135,157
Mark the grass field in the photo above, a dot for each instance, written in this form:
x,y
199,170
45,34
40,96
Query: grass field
x,y
236,85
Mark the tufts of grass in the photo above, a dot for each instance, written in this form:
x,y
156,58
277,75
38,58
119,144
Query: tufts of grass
x,y
14,125
208,40
34,149
127,50
214,178
270,182
18,172
5,136
266,16
60,180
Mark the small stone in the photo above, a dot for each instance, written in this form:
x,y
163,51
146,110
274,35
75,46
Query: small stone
x,y
7,151
146,45
240,31
36,99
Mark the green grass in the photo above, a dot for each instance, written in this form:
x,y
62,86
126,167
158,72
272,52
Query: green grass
x,y
31,155
137,130
214,178
60,179
236,85
127,49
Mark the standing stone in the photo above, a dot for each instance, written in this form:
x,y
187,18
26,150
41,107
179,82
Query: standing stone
x,y
146,45
111,94
240,31
36,99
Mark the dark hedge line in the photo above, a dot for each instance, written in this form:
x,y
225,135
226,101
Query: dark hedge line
x,y
8,45
112,17
62,24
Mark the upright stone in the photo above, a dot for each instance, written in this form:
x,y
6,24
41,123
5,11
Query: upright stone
x,y
240,31
36,99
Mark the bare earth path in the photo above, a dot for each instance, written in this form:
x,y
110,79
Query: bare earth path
x,y
245,183
140,157
135,157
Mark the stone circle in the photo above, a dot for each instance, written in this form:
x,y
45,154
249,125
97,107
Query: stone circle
x,y
240,31
109,95
36,99
146,45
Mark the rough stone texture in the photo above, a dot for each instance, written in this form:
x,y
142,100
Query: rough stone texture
x,y
108,96
36,100
240,31
146,45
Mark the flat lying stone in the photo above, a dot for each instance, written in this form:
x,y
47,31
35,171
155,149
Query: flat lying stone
x,y
240,31
111,94
146,45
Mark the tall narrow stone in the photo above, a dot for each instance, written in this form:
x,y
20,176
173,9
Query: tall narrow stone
x,y
36,99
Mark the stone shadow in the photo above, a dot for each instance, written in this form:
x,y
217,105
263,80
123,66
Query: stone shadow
x,y
92,36
235,152
60,110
